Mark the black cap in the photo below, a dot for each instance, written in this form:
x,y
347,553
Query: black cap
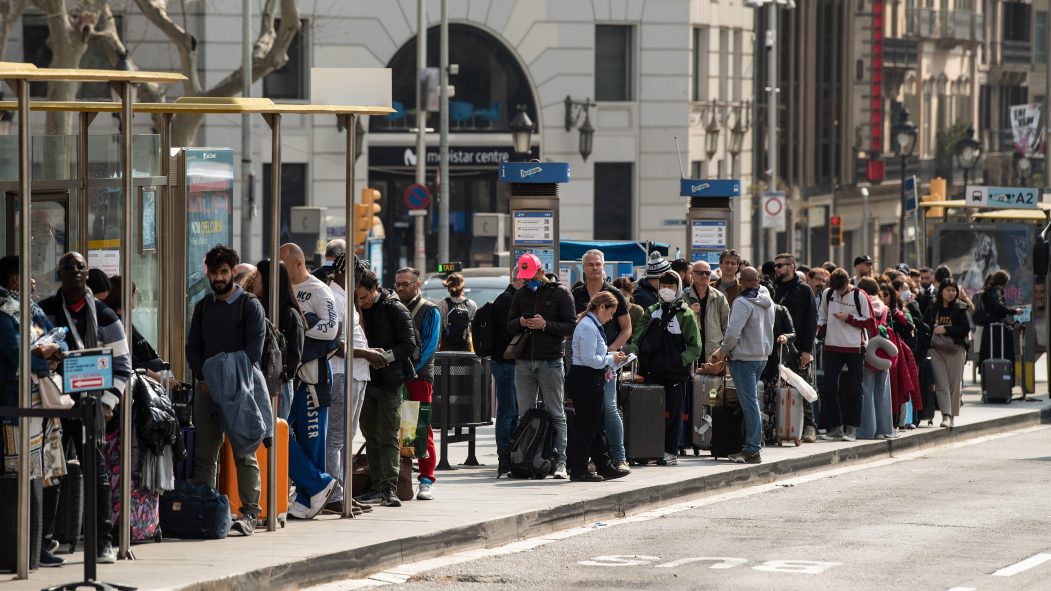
x,y
903,268
862,259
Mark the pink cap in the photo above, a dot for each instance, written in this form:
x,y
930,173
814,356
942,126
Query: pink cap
x,y
528,265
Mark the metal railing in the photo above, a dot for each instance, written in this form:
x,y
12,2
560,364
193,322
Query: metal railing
x,y
956,25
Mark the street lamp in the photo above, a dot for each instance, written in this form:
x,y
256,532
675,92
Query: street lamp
x,y
521,131
968,152
905,136
1023,164
737,133
711,134
574,109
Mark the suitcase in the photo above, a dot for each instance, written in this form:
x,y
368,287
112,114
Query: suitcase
x,y
69,515
701,410
145,505
9,521
184,468
788,415
997,373
727,431
195,512
227,479
644,412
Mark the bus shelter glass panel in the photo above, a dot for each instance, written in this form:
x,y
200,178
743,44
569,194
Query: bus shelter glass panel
x,y
104,156
54,157
48,236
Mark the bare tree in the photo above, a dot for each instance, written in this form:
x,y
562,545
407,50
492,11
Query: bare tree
x,y
10,12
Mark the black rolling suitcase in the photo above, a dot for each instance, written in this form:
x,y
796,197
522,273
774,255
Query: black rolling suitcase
x,y
727,431
643,406
997,372
9,521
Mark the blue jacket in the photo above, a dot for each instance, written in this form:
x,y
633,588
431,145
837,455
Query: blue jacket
x,y
9,347
240,397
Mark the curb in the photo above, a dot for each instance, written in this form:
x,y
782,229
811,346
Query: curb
x,y
361,562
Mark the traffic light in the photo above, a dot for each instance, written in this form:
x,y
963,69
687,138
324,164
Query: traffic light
x,y
365,214
835,231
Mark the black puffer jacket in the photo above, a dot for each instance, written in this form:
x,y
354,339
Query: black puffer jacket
x,y
388,325
556,307
155,421
797,296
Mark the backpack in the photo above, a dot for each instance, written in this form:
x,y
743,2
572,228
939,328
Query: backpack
x,y
455,333
532,448
857,298
272,363
980,316
483,331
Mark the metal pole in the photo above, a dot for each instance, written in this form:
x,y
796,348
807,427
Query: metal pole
x,y
1046,117
274,119
901,223
866,240
443,190
25,396
771,113
421,128
167,242
348,314
83,124
246,133
127,303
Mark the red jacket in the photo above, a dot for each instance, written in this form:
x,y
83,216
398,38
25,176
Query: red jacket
x,y
905,378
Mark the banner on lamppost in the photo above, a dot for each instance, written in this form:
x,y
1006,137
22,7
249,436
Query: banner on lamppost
x,y
1025,128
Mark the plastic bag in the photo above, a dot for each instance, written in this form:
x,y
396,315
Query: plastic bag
x,y
55,337
410,416
797,382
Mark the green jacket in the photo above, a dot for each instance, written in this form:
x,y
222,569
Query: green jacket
x,y
685,322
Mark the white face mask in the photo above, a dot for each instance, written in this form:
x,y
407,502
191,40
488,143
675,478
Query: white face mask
x,y
666,294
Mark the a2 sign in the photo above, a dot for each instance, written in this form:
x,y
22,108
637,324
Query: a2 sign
x,y
1003,197
799,567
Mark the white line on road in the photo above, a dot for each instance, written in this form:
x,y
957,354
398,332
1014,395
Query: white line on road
x,y
402,573
1018,567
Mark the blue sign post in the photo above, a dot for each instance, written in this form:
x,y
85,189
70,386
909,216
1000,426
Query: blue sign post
x,y
534,208
87,370
709,188
709,228
911,194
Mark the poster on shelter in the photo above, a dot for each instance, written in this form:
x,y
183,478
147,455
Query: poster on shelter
x,y
974,251
209,201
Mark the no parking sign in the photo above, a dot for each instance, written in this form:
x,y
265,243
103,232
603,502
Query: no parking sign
x,y
773,212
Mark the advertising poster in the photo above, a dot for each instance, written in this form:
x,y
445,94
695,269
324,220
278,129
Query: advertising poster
x,y
209,198
973,251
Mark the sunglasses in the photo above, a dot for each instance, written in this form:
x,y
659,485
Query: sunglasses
x,y
703,273
404,284
779,265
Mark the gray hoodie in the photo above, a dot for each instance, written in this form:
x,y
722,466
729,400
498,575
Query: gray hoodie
x,y
750,332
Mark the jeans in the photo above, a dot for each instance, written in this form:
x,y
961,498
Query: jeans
x,y
834,414
337,440
308,426
380,422
284,402
746,377
877,416
546,378
423,391
506,406
614,424
208,441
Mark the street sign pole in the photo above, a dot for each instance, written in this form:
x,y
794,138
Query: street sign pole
x,y
417,199
709,221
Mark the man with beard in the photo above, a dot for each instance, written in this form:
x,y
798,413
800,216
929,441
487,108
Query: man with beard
x,y
794,294
223,323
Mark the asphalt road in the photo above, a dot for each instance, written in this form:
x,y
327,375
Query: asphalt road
x,y
968,517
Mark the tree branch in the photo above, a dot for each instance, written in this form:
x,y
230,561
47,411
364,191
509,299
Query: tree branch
x,y
10,12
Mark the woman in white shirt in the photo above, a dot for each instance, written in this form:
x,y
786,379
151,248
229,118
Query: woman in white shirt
x,y
592,368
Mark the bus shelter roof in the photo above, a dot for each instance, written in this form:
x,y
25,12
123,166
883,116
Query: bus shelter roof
x,y
21,71
205,106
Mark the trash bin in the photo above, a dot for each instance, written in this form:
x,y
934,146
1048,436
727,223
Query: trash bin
x,y
463,387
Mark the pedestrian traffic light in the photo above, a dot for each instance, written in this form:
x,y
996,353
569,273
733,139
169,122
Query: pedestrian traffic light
x,y
365,214
835,231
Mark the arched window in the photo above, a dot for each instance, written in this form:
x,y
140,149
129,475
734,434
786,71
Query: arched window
x,y
489,86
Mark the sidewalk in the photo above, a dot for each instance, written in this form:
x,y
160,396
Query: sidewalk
x,y
473,509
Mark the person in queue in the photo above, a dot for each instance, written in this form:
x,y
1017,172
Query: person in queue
x,y
863,267
748,343
710,306
333,250
948,317
92,324
428,321
542,311
47,458
682,267
646,291
627,288
143,355
618,332
994,302
504,375
877,414
456,312
290,322
798,298
667,345
591,370
844,319
99,284
729,266
391,335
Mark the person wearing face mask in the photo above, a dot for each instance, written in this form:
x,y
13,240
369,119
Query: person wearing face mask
x,y
668,342
542,312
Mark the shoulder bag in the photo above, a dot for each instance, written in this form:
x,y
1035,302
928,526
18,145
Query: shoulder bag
x,y
51,395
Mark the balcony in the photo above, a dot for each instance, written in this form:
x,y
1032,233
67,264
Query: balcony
x,y
899,53
958,26
1016,53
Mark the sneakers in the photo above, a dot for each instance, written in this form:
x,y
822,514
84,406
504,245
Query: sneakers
x,y
106,555
373,497
809,435
318,501
623,467
670,460
51,545
832,434
503,468
945,422
850,434
426,492
952,422
244,525
744,457
297,510
389,498
49,560
560,471
894,435
586,477
616,472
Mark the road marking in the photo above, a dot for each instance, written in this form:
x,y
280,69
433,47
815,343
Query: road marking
x,y
1018,567
403,572
720,562
619,560
962,589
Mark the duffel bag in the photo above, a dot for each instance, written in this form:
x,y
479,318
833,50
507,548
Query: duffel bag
x,y
194,512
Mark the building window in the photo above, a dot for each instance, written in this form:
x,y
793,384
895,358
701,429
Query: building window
x,y
1040,50
290,82
614,71
35,51
701,65
1016,21
613,188
724,64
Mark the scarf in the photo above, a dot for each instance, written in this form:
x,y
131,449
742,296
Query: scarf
x,y
89,340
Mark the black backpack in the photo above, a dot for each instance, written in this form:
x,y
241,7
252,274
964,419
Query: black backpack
x,y
455,333
532,447
483,331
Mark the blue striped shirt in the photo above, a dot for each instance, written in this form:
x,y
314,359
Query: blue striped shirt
x,y
589,344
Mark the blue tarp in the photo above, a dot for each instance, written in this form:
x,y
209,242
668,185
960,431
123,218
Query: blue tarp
x,y
571,250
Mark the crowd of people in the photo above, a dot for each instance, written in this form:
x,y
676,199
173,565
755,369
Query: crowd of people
x,y
884,351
